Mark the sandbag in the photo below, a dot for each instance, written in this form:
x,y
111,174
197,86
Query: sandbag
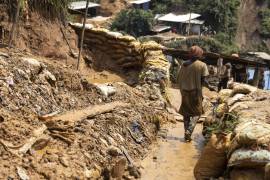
x,y
242,89
250,133
224,95
267,171
151,45
247,174
127,38
213,160
111,34
238,107
221,110
249,158
235,98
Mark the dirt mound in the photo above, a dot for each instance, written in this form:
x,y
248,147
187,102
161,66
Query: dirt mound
x,y
39,35
89,144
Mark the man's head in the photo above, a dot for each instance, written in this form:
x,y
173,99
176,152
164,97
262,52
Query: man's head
x,y
195,52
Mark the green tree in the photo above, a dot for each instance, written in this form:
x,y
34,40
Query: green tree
x,y
135,22
265,22
165,6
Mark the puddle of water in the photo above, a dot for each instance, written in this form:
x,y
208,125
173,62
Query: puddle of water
x,y
172,158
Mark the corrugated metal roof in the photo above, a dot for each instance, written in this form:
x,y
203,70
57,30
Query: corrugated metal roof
x,y
179,18
160,28
261,55
195,21
82,5
139,1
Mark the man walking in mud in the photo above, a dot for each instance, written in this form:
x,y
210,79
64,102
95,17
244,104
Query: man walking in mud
x,y
191,78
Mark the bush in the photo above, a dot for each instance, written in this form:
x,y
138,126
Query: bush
x,y
135,22
265,22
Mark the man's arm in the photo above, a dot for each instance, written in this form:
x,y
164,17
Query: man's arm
x,y
206,84
204,74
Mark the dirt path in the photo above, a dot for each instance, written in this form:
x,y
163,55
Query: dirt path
x,y
171,158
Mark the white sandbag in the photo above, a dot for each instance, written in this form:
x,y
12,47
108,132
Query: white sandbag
x,y
224,95
114,34
235,98
243,89
105,89
249,158
238,107
250,133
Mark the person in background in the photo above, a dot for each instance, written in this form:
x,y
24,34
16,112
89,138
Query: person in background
x,y
191,78
225,76
261,81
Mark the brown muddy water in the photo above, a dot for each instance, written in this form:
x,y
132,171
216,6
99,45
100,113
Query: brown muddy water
x,y
171,158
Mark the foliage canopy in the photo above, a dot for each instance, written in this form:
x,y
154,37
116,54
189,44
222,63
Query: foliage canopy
x,y
135,22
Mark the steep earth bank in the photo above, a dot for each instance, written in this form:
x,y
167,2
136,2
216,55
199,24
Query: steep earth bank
x,y
247,35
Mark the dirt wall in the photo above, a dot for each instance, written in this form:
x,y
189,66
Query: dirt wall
x,y
38,35
247,35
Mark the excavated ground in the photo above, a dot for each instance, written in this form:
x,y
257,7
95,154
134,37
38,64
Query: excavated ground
x,y
92,135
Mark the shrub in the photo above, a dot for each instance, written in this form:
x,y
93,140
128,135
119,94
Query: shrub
x,y
135,22
265,22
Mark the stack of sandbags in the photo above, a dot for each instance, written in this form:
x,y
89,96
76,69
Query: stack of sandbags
x,y
155,66
124,50
250,145
228,98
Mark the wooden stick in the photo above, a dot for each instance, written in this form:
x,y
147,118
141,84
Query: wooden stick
x,y
82,35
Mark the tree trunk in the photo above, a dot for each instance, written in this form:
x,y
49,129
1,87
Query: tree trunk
x,y
82,36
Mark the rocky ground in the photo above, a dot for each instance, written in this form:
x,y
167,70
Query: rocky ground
x,y
89,134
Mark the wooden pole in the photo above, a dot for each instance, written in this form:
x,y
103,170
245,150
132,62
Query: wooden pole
x,y
256,77
82,35
189,25
13,28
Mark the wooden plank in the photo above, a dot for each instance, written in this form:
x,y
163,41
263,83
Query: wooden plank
x,y
89,112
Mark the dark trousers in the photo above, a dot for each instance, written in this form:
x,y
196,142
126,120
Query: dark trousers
x,y
190,123
223,83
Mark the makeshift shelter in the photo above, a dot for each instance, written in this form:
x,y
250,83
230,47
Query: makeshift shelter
x,y
160,28
183,23
79,7
141,4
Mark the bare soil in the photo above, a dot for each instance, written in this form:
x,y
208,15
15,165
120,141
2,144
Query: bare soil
x,y
73,145
247,35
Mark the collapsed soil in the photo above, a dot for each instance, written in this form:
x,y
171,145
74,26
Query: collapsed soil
x,y
29,91
39,35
